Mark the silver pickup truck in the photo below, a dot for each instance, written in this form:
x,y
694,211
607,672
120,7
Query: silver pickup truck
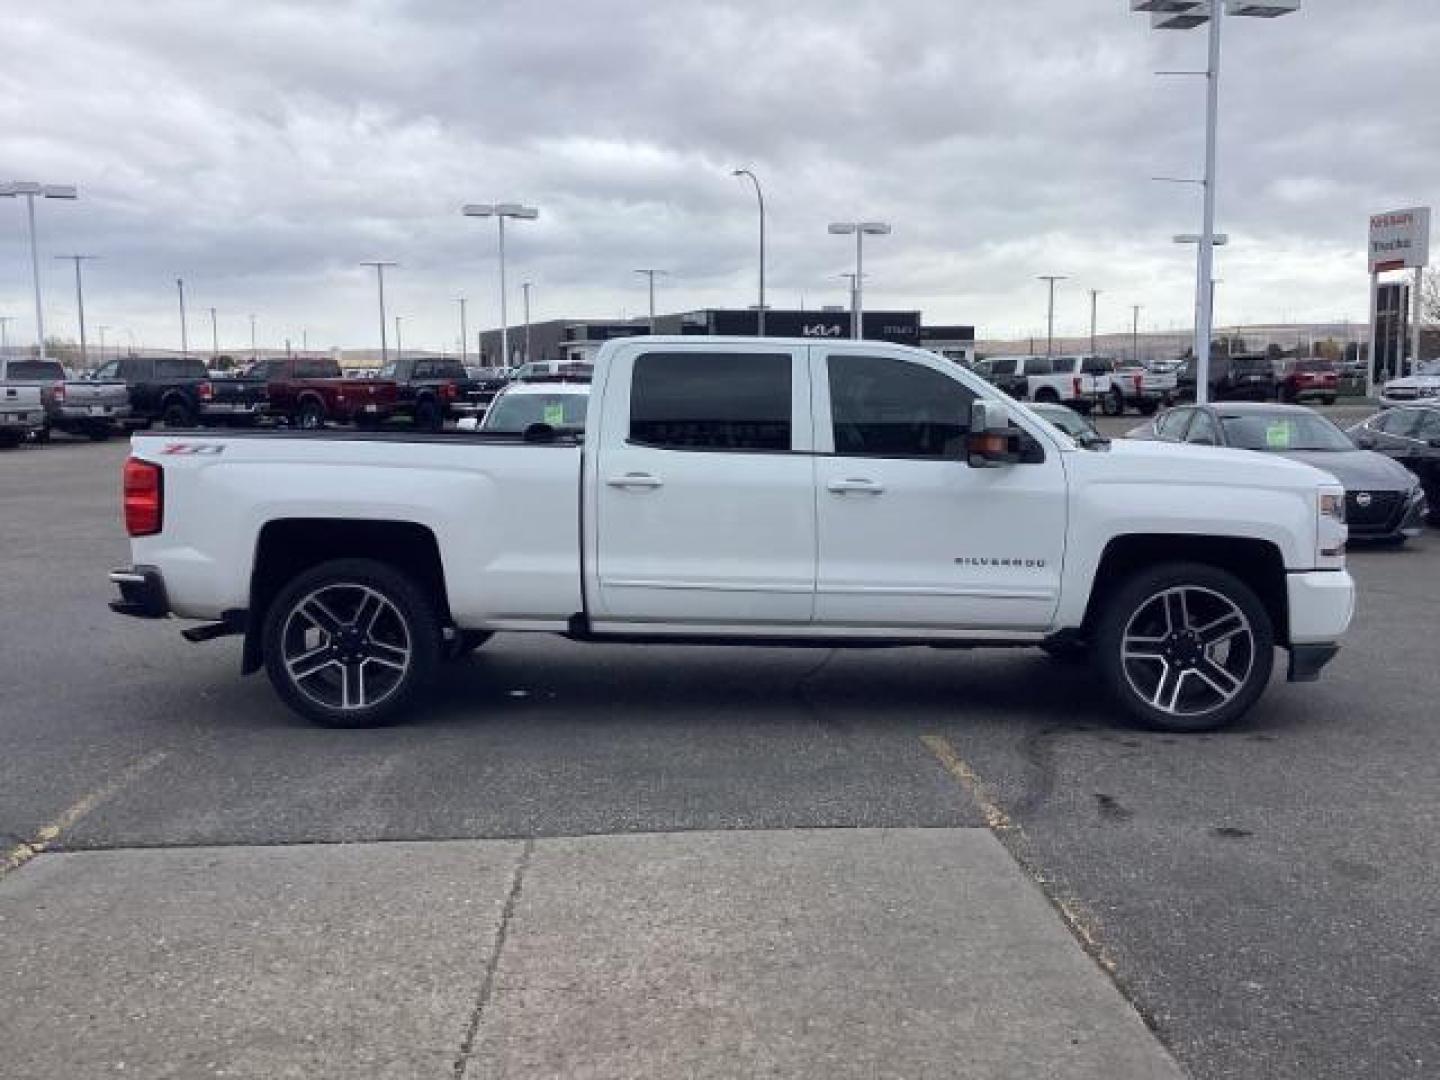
x,y
21,414
75,406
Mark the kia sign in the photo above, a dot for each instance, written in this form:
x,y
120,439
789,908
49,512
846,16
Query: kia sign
x,y
1400,239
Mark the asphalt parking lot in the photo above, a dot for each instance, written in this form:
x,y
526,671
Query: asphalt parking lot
x,y
1265,897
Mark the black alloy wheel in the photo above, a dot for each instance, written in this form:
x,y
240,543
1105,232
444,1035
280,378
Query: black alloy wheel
x,y
177,415
1185,647
349,643
310,416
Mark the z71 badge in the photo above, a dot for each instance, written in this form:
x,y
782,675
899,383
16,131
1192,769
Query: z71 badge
x,y
193,448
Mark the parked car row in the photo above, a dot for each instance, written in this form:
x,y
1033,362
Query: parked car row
x,y
137,392
1084,383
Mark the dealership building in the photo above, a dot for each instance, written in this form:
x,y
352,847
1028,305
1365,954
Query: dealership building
x,y
580,340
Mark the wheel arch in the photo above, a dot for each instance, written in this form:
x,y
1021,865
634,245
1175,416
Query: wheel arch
x,y
1258,563
287,547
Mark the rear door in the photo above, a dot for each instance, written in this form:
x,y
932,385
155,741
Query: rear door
x,y
703,488
910,536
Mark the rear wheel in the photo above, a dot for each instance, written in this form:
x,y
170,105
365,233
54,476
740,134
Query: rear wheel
x,y
1113,403
43,434
9,440
1185,647
310,416
1328,399
98,434
428,416
1047,394
350,643
177,415
1148,408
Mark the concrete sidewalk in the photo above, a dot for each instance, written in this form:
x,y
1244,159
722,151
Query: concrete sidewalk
x,y
839,953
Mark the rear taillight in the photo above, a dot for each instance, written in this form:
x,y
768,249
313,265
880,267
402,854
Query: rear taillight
x,y
449,391
144,497
206,391
1079,384
1139,383
58,393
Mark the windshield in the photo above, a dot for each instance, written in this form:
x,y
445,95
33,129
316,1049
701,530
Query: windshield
x,y
1280,432
1067,420
35,369
513,413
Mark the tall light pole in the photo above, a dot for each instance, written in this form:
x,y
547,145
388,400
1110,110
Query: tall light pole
x,y
380,265
1185,15
214,337
399,350
80,303
1135,334
253,354
759,198
184,333
650,276
1050,312
29,189
1094,297
501,211
525,287
464,345
102,328
861,229
5,321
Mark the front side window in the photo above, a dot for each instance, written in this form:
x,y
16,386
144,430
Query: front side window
x,y
1429,427
884,407
1172,425
317,369
711,401
1040,365
109,371
1401,422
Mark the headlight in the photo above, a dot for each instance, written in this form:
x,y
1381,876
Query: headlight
x,y
1332,505
1330,530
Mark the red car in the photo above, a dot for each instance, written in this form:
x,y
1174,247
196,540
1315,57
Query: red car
x,y
310,392
1300,379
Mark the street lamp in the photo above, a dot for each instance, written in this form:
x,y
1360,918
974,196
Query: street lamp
x,y
650,275
254,356
1135,334
1185,15
861,229
29,190
380,265
80,303
1094,297
501,211
525,288
5,321
464,355
399,350
184,334
759,198
214,338
1050,316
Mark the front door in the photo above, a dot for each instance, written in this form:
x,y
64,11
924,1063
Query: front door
x,y
910,536
705,502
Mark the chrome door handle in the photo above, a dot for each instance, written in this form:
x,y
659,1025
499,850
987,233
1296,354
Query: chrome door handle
x,y
635,480
855,483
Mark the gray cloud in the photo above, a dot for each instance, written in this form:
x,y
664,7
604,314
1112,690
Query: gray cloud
x,y
262,149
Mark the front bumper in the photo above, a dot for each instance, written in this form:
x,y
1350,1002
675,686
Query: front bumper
x,y
142,592
1321,605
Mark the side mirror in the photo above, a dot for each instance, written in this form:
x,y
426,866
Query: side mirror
x,y
993,442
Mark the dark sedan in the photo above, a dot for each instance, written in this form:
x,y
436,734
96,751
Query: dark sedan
x,y
1383,501
1411,436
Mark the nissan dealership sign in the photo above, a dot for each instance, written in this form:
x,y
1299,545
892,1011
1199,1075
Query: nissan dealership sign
x,y
1399,239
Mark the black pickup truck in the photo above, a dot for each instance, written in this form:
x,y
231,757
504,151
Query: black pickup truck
x,y
433,390
180,392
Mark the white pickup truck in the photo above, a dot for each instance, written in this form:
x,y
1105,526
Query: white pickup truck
x,y
744,490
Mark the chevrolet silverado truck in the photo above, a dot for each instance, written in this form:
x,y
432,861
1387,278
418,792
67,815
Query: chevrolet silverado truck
x,y
75,406
743,490
22,414
310,392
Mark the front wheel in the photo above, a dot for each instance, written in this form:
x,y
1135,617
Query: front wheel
x,y
176,415
1148,407
311,415
428,415
349,643
1113,404
1185,647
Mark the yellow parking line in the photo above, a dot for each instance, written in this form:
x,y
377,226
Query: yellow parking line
x,y
1073,912
46,835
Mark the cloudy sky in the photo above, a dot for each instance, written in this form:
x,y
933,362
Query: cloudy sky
x,y
263,149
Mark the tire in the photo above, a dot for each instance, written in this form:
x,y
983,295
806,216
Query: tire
x,y
98,434
43,435
1148,408
1328,399
1211,687
310,416
1048,395
177,415
1113,404
9,440
353,629
466,642
428,415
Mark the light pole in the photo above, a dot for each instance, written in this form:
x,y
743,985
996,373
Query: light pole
x,y
759,198
184,333
254,356
380,265
102,328
28,189
1135,334
861,229
464,346
80,303
1050,316
214,337
525,292
1094,297
650,276
5,321
399,350
1185,15
501,211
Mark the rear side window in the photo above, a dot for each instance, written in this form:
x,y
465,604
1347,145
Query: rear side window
x,y
711,401
1040,365
177,368
1097,365
317,369
884,407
